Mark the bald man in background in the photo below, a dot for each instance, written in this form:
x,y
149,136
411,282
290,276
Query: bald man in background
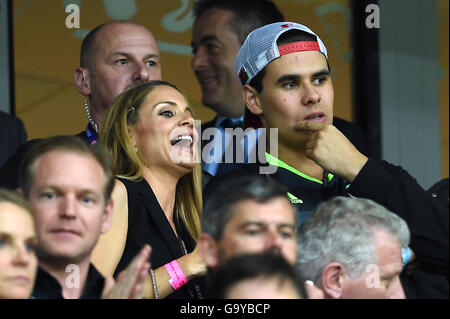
x,y
114,56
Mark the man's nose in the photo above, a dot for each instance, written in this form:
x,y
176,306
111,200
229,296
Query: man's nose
x,y
310,95
275,240
141,72
68,206
199,60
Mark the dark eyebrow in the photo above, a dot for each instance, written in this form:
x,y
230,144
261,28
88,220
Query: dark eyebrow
x,y
251,223
296,77
148,56
323,72
287,225
206,38
188,108
263,224
85,192
58,190
151,55
5,236
8,237
288,77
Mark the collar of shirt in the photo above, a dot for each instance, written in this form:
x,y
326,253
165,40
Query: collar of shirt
x,y
47,287
272,160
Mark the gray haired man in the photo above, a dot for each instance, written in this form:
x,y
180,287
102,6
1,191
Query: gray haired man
x,y
352,248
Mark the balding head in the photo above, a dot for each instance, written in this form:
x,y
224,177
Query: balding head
x,y
115,56
90,45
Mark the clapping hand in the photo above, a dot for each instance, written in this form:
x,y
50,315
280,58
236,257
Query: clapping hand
x,y
130,282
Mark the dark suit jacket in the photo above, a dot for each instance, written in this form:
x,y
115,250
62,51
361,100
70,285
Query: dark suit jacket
x,y
12,134
223,167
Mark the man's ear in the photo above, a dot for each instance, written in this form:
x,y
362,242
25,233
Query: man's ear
x,y
252,99
332,280
107,217
81,78
209,250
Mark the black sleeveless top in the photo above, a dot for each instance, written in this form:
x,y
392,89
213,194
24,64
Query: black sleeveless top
x,y
147,224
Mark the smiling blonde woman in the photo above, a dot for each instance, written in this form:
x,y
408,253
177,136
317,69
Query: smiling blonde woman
x,y
149,133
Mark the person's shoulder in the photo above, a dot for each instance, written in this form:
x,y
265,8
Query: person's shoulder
x,y
8,117
12,123
125,184
345,126
440,191
138,191
94,273
246,169
419,284
119,190
440,188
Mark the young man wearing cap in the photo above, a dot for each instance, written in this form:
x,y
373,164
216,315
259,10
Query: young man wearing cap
x,y
220,28
284,71
289,91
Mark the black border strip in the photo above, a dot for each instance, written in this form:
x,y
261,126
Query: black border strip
x,y
366,76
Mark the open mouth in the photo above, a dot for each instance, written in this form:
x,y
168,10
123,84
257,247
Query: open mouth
x,y
182,150
182,141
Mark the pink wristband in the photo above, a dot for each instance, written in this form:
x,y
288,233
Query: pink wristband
x,y
177,277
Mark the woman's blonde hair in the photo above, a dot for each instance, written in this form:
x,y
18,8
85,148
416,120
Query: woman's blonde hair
x,y
115,136
7,196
